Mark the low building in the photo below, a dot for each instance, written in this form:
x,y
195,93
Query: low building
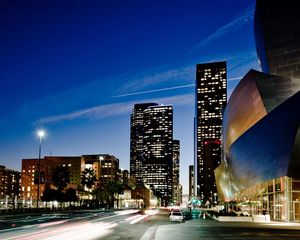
x,y
30,170
106,167
144,196
9,187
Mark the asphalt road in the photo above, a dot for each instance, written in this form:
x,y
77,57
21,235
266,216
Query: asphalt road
x,y
134,225
210,229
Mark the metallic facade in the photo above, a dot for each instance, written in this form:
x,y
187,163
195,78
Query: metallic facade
x,y
261,128
277,36
211,98
260,134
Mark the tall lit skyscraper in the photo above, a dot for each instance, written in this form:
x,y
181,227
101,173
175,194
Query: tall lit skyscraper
x,y
136,139
191,181
158,150
176,198
211,98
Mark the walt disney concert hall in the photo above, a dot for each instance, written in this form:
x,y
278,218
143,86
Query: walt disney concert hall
x,y
260,169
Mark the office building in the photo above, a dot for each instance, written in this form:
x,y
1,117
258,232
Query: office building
x,y
191,181
136,139
176,198
9,185
158,150
211,97
109,168
29,175
105,166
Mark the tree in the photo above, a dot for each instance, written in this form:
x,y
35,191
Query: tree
x,y
88,178
113,187
101,195
60,177
49,195
70,195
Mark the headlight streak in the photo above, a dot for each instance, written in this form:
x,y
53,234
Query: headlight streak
x,y
80,227
75,231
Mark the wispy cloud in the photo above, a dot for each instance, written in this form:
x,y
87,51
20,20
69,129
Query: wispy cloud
x,y
237,23
136,85
115,109
155,90
168,88
152,78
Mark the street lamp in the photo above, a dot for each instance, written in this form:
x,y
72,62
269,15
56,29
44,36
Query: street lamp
x,y
41,134
215,198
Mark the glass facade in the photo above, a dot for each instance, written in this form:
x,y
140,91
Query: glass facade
x,y
279,197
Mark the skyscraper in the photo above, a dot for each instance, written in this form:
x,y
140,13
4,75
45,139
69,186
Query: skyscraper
x,y
136,139
211,97
191,181
151,147
158,150
176,198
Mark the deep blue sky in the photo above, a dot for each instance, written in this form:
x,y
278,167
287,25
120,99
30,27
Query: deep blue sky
x,y
75,68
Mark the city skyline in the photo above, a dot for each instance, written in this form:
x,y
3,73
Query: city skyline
x,y
77,69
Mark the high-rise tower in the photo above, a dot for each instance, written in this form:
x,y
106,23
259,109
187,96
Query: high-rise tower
x,y
176,162
151,147
136,139
158,150
211,98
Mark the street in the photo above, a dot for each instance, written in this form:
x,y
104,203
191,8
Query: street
x,y
137,225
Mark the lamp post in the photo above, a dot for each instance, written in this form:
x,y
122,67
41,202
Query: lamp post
x,y
40,134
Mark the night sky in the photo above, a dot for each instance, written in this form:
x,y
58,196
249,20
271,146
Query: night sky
x,y
75,69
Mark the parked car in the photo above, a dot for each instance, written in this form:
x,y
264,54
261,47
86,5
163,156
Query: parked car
x,y
176,216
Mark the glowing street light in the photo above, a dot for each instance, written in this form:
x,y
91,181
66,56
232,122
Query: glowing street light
x,y
41,134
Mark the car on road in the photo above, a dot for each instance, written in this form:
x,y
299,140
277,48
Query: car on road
x,y
176,216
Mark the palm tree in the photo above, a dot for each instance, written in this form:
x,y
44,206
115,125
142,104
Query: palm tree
x,y
88,179
61,177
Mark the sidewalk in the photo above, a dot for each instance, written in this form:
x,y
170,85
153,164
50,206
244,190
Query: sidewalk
x,y
199,228
172,231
